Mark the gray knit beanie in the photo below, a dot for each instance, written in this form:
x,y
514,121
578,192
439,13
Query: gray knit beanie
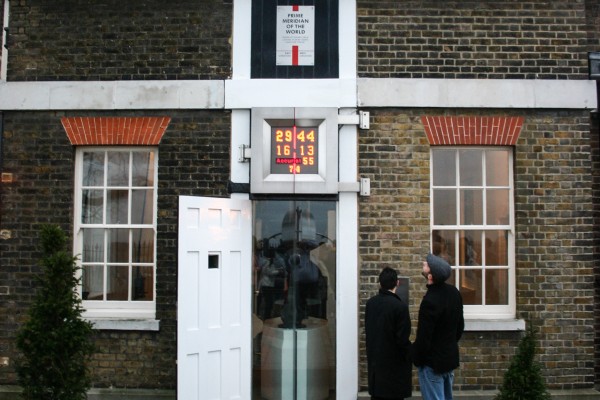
x,y
439,268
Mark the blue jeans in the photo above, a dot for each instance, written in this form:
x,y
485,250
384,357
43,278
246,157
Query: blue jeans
x,y
435,386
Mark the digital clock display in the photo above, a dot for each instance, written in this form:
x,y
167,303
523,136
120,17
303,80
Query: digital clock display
x,y
294,150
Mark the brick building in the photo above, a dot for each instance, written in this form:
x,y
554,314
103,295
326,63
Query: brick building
x,y
464,128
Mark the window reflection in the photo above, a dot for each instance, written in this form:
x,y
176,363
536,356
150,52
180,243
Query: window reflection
x,y
444,207
471,207
117,206
117,278
445,165
294,298
496,248
142,283
470,171
496,173
93,169
497,207
118,168
92,206
496,287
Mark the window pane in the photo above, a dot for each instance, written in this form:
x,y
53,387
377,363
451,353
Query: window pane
x,y
470,286
471,207
143,245
117,206
452,279
141,206
118,169
444,207
118,245
497,207
93,245
92,202
496,248
93,169
444,168
470,248
92,279
470,171
443,245
496,167
143,284
143,169
496,287
117,281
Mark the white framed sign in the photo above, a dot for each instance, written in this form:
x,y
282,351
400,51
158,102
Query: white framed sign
x,y
295,44
294,150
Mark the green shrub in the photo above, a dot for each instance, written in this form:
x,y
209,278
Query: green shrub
x,y
55,342
523,379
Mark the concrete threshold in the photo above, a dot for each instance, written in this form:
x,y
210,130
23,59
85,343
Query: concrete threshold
x,y
14,393
573,394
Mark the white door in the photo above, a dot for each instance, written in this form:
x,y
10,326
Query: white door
x,y
214,299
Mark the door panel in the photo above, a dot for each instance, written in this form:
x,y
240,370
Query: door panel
x,y
214,313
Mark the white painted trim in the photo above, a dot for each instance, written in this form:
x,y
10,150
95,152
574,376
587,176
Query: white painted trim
x,y
125,324
347,39
4,61
242,38
111,95
240,135
476,93
347,334
495,325
250,93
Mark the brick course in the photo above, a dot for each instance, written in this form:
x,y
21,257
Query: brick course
x,y
472,39
87,40
554,263
595,144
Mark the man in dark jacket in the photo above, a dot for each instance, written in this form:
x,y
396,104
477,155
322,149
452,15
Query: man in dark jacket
x,y
440,327
387,328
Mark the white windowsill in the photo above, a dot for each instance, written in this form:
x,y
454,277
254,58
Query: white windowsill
x,y
125,324
495,325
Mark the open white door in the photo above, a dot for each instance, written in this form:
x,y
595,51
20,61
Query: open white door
x,y
214,299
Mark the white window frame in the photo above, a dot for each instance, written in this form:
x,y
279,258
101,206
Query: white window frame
x,y
482,312
103,309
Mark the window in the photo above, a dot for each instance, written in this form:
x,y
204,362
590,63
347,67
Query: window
x,y
472,225
115,231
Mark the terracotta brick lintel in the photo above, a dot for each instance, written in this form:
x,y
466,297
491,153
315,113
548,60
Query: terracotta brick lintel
x,y
472,130
109,131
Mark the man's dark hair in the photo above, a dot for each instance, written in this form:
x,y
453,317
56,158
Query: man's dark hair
x,y
388,278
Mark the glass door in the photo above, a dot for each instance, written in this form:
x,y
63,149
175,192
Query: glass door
x,y
293,321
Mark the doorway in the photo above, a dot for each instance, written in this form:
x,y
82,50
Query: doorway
x,y
293,303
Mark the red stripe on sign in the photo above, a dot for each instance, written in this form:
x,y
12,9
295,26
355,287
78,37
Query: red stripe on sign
x,y
296,8
295,55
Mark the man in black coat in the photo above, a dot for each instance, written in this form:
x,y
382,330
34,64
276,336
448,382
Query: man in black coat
x,y
387,328
440,327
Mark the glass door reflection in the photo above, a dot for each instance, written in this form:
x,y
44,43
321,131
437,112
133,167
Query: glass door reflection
x,y
294,299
